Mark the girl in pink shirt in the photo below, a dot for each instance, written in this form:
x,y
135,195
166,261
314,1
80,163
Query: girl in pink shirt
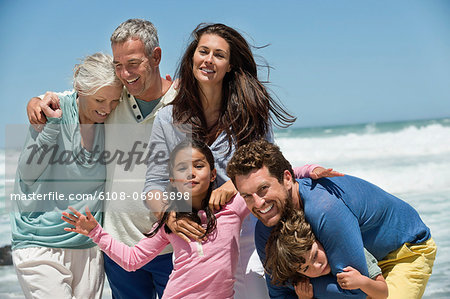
x,y
201,269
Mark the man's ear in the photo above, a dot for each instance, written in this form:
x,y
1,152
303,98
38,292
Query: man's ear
x,y
287,179
155,59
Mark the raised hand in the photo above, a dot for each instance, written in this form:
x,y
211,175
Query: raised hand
x,y
83,224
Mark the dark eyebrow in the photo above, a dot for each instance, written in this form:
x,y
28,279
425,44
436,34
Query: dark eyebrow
x,y
221,51
216,50
262,184
130,60
199,160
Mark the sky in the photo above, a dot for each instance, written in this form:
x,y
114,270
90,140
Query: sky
x,y
333,62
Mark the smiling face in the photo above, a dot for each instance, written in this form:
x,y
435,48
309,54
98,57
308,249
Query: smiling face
x,y
192,173
135,68
264,195
211,60
97,107
316,262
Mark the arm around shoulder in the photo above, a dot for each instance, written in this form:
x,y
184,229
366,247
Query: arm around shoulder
x,y
315,172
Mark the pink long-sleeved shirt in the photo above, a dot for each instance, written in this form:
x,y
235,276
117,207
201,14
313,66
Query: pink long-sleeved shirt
x,y
201,270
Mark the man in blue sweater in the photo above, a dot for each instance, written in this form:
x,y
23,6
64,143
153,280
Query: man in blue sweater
x,y
345,213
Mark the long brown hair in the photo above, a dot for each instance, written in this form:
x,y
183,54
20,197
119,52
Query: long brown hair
x,y
247,107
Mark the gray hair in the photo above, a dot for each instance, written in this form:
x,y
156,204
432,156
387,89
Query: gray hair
x,y
137,28
94,72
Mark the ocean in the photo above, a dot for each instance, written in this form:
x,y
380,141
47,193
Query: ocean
x,y
408,159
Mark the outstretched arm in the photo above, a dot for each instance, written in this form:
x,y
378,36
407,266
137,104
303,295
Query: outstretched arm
x,y
129,258
351,279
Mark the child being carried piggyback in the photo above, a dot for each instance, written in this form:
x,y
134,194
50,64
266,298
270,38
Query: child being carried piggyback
x,y
201,269
294,255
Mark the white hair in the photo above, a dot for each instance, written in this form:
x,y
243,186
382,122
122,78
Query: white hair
x,y
94,72
137,28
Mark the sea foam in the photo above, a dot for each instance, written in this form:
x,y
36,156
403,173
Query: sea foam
x,y
413,159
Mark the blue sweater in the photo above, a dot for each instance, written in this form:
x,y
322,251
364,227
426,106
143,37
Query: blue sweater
x,y
69,170
347,214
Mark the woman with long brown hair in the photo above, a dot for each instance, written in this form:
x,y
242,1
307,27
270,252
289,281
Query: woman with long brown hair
x,y
222,102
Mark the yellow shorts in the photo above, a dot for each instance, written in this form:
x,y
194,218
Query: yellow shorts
x,y
408,269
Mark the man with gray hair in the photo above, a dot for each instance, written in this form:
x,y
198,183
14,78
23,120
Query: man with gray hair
x,y
137,56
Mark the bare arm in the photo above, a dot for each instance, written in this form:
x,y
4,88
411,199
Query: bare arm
x,y
351,279
383,288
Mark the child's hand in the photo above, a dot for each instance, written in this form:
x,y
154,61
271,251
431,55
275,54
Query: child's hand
x,y
350,279
83,224
304,289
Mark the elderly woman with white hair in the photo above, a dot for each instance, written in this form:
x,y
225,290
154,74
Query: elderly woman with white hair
x,y
60,166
